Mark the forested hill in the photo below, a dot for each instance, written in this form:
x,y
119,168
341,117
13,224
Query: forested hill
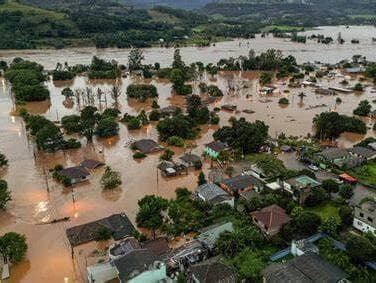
x,y
100,23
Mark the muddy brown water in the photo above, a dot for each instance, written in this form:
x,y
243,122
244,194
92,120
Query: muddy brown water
x,y
311,51
49,256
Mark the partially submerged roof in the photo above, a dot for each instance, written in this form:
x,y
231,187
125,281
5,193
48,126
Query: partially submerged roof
x,y
272,217
334,153
363,151
133,264
212,271
209,192
241,182
119,224
308,267
190,158
217,146
91,163
147,146
75,172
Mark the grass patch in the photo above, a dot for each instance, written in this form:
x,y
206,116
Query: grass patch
x,y
366,173
326,210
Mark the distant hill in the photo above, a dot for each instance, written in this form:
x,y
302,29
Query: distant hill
x,y
183,4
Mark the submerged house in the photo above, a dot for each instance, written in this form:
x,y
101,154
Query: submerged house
x,y
76,174
190,159
300,187
91,164
147,146
209,235
118,224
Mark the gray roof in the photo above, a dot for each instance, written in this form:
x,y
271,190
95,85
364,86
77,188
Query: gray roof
x,y
334,153
147,146
363,151
91,163
212,271
209,235
133,264
125,247
75,172
372,145
119,224
190,158
210,192
308,267
241,182
217,146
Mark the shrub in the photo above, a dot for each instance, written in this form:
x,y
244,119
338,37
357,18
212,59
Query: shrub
x,y
284,101
139,155
175,141
141,91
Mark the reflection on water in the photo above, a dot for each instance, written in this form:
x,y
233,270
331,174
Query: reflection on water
x,y
37,198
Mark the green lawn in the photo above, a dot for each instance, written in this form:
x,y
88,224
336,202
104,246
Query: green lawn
x,y
366,173
326,210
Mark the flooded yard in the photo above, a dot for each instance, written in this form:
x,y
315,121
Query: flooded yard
x,y
37,198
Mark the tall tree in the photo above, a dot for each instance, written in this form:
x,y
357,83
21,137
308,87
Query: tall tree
x,y
135,59
5,195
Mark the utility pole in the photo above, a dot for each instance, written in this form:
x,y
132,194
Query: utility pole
x,y
46,179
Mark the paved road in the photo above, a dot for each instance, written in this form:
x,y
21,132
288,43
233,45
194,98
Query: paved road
x,y
360,191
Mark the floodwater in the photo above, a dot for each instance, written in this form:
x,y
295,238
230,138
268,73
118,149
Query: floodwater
x,y
37,198
311,51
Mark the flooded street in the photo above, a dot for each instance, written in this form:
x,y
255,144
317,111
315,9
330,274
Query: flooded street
x,y
311,51
37,198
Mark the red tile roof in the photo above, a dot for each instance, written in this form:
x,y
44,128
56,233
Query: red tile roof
x,y
272,217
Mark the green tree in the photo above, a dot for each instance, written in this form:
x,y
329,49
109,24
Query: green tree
x,y
167,155
13,247
3,160
361,249
346,191
243,135
284,101
5,194
107,128
346,214
363,109
110,179
67,92
330,185
50,138
201,179
149,214
135,59
265,78
330,226
177,62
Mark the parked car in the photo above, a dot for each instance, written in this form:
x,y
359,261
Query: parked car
x,y
313,167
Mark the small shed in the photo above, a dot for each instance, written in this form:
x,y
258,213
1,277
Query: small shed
x,y
147,146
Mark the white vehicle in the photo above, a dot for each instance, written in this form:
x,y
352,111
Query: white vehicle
x,y
313,167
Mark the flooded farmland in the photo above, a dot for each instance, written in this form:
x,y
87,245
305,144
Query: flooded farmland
x,y
37,198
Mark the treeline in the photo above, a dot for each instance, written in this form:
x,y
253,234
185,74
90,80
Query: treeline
x,y
27,80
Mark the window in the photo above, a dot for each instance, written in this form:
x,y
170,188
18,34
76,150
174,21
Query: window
x,y
369,219
361,214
